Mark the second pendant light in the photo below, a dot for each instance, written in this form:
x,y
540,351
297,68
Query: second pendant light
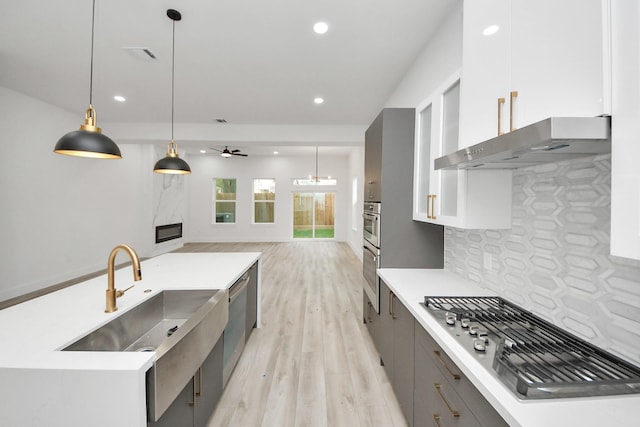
x,y
172,164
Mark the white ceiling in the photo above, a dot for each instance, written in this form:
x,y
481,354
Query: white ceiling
x,y
247,61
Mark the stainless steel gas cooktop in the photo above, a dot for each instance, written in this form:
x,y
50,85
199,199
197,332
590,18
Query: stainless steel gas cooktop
x,y
533,358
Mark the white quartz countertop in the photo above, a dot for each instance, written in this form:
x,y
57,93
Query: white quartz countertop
x,y
411,286
34,331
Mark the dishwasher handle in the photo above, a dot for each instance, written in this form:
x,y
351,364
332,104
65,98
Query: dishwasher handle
x,y
236,289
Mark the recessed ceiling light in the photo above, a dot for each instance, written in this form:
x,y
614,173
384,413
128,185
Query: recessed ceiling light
x,y
318,100
203,151
490,30
275,152
119,98
320,27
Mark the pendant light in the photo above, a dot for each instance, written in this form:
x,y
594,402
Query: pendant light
x,y
89,141
172,164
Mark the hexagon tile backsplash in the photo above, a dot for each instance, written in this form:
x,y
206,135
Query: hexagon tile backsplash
x,y
555,260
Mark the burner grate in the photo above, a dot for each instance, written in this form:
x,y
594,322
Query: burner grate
x,y
535,358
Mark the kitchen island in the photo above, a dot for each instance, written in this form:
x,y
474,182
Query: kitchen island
x,y
41,385
411,286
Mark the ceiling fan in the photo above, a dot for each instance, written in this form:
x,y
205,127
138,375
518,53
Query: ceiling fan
x,y
228,153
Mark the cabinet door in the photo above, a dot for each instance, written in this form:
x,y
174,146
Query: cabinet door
x,y
252,300
373,160
485,70
424,151
403,369
180,412
558,59
208,386
625,174
436,192
384,342
371,319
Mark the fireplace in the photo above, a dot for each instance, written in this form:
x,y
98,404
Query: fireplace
x,y
168,232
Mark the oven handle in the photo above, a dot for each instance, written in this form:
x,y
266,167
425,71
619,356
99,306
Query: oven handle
x,y
373,254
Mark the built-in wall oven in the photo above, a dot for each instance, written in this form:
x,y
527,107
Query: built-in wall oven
x,y
371,252
371,223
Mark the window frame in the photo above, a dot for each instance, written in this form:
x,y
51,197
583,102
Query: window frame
x,y
216,201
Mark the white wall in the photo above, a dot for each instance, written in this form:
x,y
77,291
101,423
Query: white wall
x,y
440,58
62,215
354,228
245,169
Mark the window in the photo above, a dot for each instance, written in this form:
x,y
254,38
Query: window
x,y
313,215
314,181
264,196
224,200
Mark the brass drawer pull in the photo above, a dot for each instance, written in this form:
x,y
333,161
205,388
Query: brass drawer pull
x,y
193,402
433,210
436,420
391,312
500,103
452,411
446,367
512,95
429,206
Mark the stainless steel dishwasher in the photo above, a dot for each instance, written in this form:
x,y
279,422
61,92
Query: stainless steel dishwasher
x,y
234,333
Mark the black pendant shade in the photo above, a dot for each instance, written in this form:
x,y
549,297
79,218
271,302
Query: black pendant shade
x,y
172,164
89,140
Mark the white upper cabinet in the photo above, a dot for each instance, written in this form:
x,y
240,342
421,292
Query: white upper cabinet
x,y
625,129
548,58
456,198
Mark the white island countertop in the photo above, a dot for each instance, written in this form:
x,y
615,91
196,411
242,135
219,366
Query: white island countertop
x,y
412,285
40,385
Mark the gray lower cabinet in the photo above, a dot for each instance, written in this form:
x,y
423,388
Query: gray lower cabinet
x,y
395,342
443,395
197,400
370,318
252,300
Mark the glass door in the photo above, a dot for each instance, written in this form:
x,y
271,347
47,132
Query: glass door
x,y
313,215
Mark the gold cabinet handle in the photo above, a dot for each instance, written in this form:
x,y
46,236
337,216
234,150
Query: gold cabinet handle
x,y
446,367
193,402
512,96
428,206
452,411
500,103
436,420
433,210
391,297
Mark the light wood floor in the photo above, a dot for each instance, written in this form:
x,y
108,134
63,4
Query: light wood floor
x,y
313,362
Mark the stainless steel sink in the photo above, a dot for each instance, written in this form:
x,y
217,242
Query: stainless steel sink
x,y
181,326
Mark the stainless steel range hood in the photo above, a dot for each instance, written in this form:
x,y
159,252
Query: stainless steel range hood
x,y
550,140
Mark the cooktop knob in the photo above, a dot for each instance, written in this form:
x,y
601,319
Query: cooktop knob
x,y
450,318
465,322
479,345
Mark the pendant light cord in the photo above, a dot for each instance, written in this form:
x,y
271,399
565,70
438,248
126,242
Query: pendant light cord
x,y
173,72
93,25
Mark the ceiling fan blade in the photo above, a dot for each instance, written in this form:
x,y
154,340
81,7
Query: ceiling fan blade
x,y
235,151
215,149
239,154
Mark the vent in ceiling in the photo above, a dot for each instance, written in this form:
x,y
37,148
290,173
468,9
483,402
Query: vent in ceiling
x,y
140,53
